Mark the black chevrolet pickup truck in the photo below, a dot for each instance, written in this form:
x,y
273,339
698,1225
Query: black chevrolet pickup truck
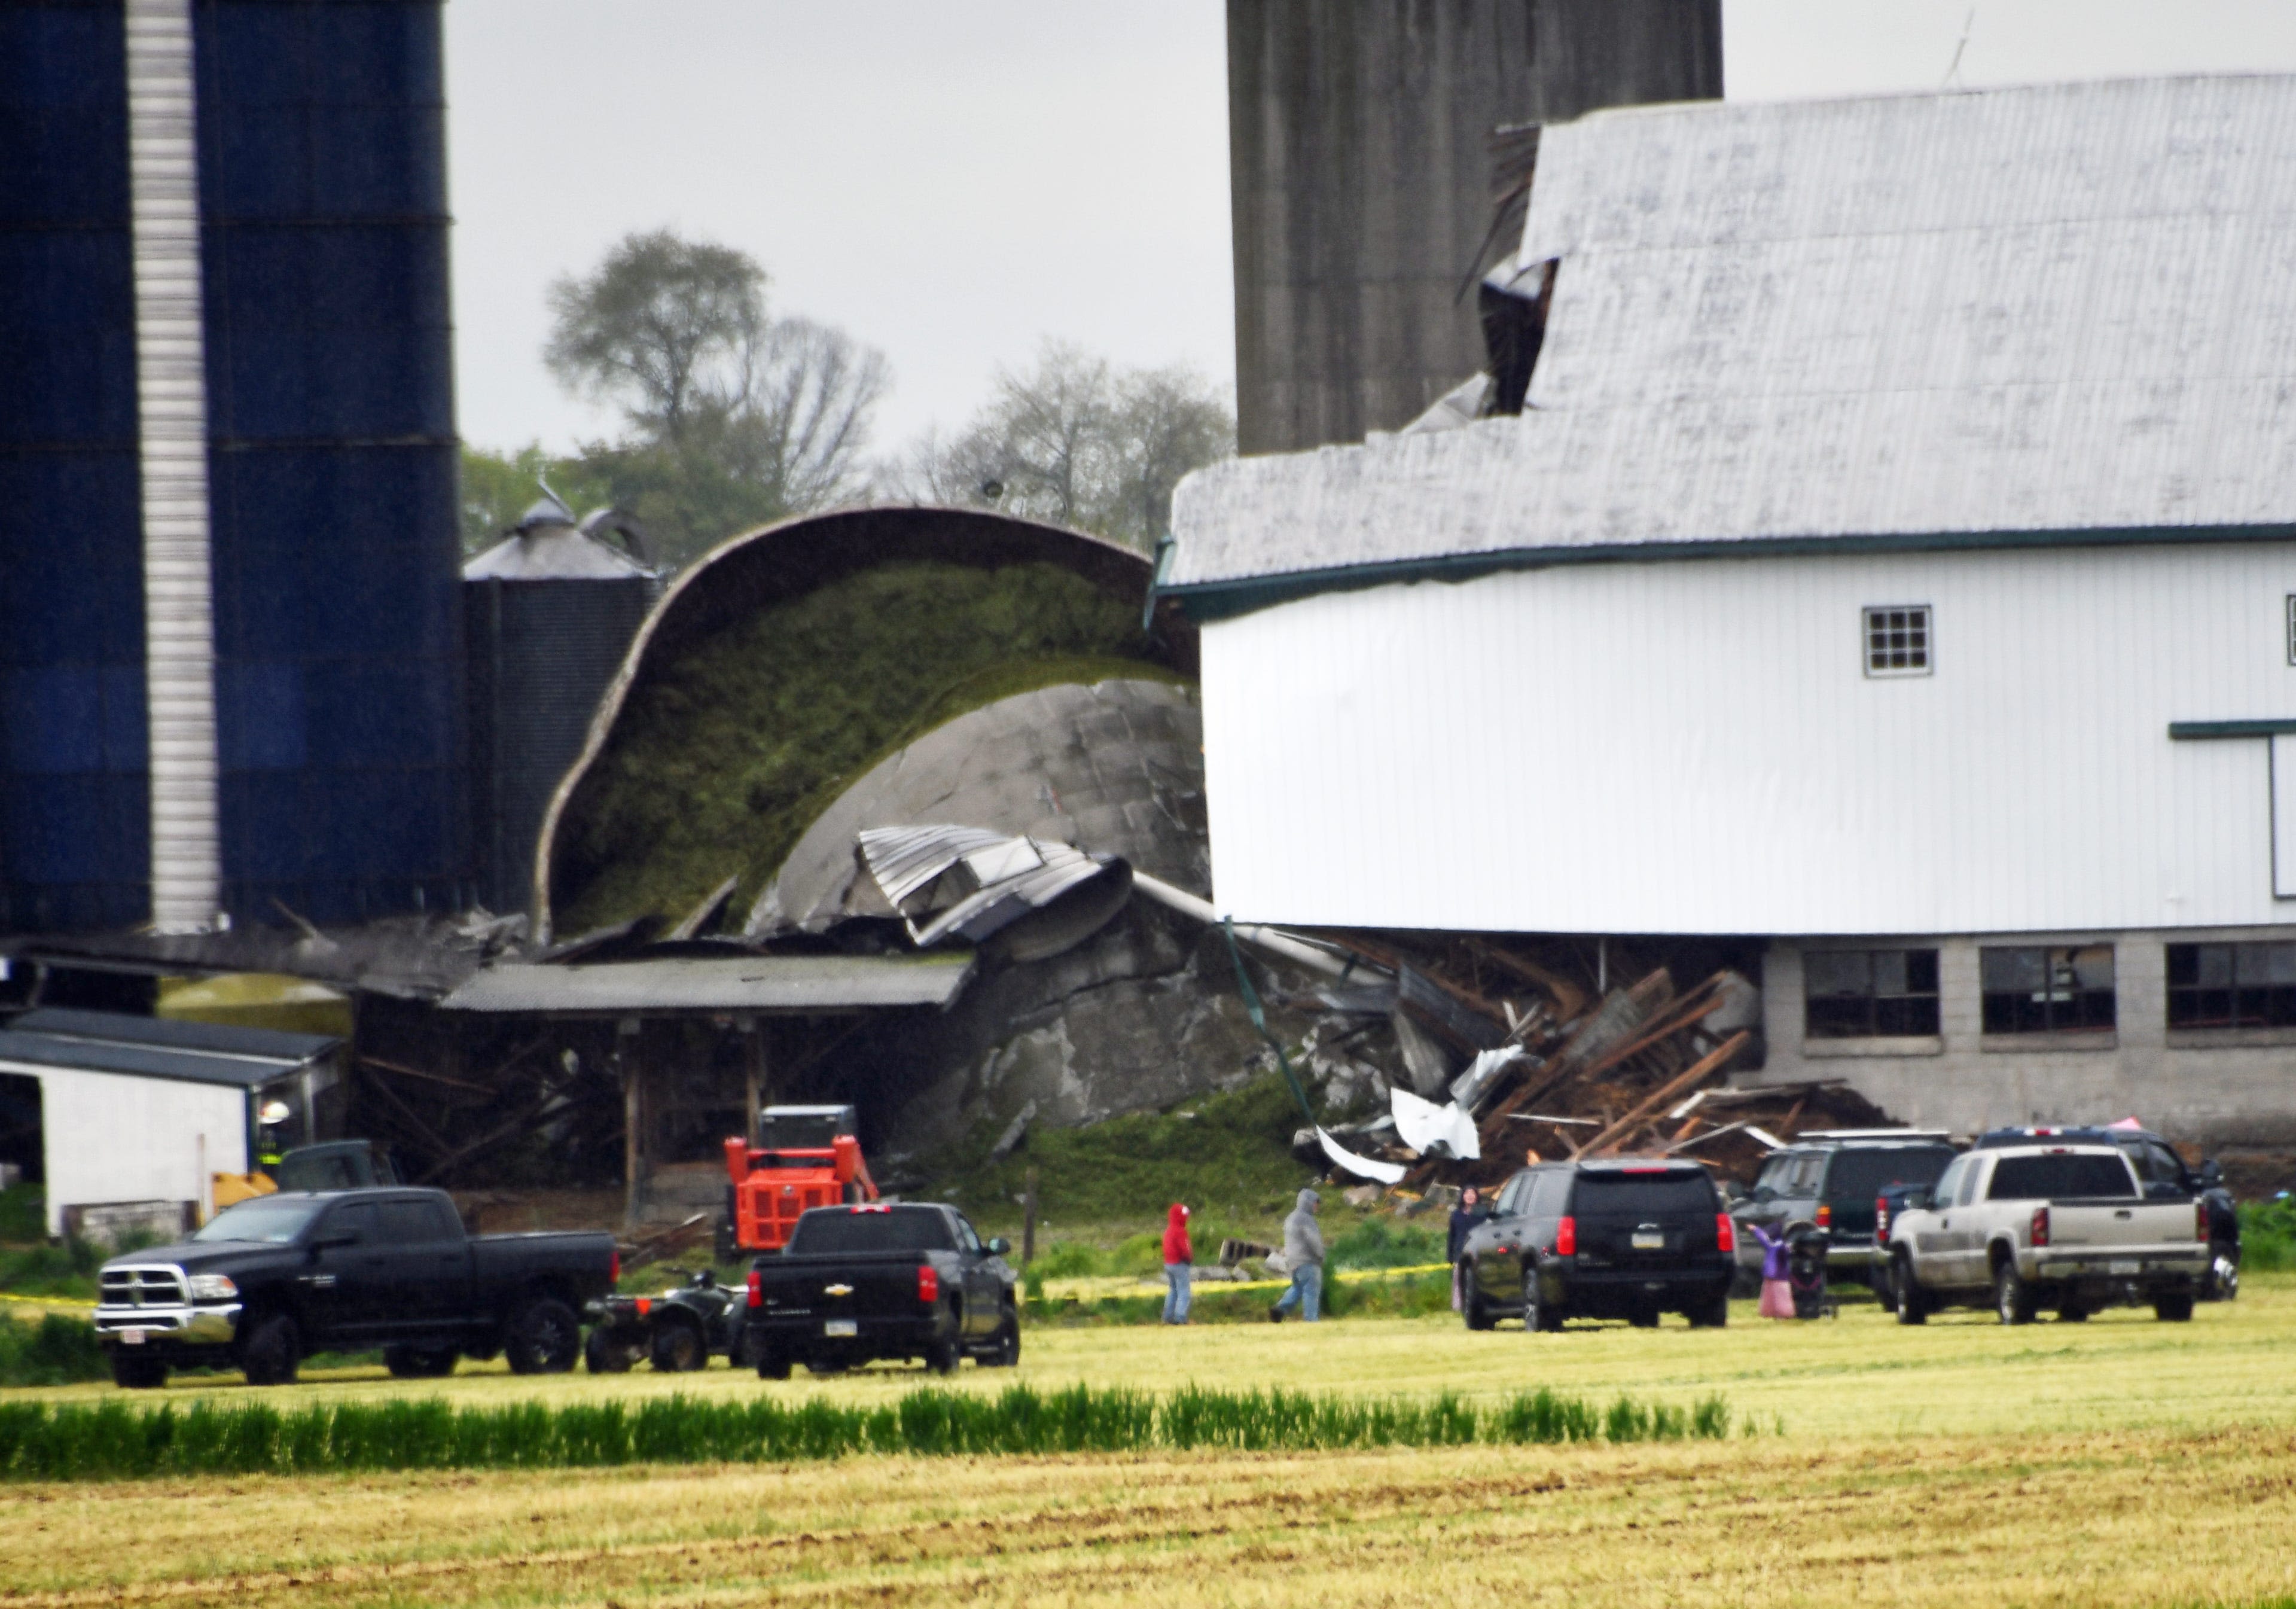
x,y
882,1280
269,1282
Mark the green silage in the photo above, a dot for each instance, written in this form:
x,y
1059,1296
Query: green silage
x,y
721,758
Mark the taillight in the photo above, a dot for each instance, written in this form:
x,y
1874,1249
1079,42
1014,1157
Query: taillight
x,y
756,1289
1725,1233
614,1267
2038,1231
1566,1238
1880,1220
2199,1219
1825,1215
927,1282
645,1305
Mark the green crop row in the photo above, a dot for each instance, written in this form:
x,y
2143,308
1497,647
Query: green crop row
x,y
113,1441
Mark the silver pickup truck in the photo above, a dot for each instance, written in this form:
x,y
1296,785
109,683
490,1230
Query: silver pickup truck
x,y
2028,1226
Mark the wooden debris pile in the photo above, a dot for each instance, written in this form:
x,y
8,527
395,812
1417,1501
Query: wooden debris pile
x,y
1638,1070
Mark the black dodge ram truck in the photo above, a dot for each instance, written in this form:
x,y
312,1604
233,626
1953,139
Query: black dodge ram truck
x,y
1601,1239
882,1280
269,1282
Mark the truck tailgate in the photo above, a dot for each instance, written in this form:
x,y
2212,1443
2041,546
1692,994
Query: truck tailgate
x,y
2116,1225
845,1286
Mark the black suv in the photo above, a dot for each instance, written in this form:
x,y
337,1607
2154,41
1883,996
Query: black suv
x,y
2167,1177
1601,1239
1828,1180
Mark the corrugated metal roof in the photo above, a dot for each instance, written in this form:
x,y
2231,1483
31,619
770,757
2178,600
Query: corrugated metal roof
x,y
748,983
555,553
2021,312
198,1053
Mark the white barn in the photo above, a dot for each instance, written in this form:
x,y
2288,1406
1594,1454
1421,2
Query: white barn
x,y
143,1112
1895,556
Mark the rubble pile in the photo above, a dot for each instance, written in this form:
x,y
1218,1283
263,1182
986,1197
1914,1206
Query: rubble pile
x,y
1556,1070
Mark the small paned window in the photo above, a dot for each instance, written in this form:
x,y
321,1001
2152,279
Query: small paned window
x,y
1856,994
1898,640
2232,986
2046,991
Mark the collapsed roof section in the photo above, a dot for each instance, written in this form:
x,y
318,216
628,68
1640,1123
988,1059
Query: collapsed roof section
x,y
2018,316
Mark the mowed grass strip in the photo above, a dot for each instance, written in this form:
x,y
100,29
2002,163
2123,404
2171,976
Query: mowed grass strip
x,y
2113,1518
117,1439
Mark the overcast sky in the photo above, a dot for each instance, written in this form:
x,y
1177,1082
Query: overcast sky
x,y
951,182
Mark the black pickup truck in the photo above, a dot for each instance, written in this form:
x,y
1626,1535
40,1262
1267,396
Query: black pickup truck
x,y
883,1279
1601,1239
269,1282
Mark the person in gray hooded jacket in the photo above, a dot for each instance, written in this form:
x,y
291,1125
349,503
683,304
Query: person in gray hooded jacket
x,y
1303,1250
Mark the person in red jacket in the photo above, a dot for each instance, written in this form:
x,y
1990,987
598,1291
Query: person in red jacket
x,y
1179,1265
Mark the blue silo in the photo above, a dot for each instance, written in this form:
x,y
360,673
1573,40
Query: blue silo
x,y
74,848
292,731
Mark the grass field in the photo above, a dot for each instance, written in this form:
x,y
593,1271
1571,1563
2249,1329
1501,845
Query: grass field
x,y
2120,1461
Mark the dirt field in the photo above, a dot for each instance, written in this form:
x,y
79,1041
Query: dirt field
x,y
2119,1462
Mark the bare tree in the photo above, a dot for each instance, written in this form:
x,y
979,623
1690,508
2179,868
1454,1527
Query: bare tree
x,y
1075,441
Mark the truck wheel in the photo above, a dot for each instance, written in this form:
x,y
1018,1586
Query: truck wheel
x,y
678,1347
2173,1309
773,1364
1644,1318
1712,1314
1005,1352
2013,1299
940,1357
601,1354
1913,1306
1470,1301
138,1374
418,1363
544,1336
1538,1314
270,1351
2072,1312
2224,1271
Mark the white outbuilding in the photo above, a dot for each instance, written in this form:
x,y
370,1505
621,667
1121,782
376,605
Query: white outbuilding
x,y
138,1115
1893,556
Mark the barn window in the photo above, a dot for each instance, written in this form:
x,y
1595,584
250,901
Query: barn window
x,y
2231,985
1855,993
1898,640
2051,991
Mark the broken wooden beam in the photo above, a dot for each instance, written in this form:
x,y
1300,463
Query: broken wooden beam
x,y
1697,1073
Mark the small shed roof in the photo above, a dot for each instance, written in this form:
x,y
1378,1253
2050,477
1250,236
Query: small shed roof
x,y
155,1047
2046,314
789,984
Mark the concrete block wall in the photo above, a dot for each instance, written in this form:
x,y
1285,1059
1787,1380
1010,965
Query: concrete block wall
x,y
2215,1088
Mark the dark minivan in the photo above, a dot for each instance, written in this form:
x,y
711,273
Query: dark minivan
x,y
1601,1239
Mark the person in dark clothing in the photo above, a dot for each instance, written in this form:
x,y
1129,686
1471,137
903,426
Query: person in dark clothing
x,y
1464,1217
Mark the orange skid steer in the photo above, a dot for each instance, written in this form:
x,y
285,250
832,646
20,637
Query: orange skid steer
x,y
806,1156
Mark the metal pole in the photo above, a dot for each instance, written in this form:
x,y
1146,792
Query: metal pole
x,y
753,1076
632,1068
1028,1217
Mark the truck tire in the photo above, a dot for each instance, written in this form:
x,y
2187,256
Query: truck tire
x,y
545,1337
1712,1314
601,1354
1539,1316
1470,1301
1005,1352
270,1350
2072,1312
419,1363
2173,1309
138,1374
773,1364
1913,1305
940,1357
677,1347
2013,1298
2223,1282
1642,1319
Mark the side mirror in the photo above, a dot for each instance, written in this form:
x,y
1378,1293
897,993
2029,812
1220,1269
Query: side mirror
x,y
1918,1199
2209,1175
1000,1246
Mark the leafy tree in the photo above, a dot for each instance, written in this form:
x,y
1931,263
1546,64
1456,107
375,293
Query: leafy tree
x,y
1077,441
734,419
